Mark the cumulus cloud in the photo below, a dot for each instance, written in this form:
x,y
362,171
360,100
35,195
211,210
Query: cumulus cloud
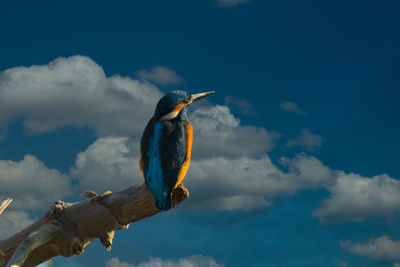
x,y
355,198
108,164
230,170
292,107
241,105
160,75
230,3
215,183
190,261
383,248
75,91
229,164
307,140
249,183
32,185
218,133
229,184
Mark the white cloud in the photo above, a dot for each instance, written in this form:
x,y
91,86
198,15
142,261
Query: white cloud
x,y
75,91
12,222
190,261
383,248
160,75
229,184
355,198
108,164
307,140
215,183
230,3
308,172
31,185
248,183
229,169
292,107
218,133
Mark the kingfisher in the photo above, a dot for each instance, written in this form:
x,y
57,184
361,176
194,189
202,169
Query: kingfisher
x,y
166,146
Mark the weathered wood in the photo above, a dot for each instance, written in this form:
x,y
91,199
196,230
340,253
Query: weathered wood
x,y
4,203
67,228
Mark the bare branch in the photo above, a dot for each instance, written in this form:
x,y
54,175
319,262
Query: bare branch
x,y
45,234
67,228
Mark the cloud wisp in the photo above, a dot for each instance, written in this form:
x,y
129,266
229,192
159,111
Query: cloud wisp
x,y
307,140
160,75
292,107
230,3
241,105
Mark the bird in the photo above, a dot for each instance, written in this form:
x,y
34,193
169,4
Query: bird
x,y
166,146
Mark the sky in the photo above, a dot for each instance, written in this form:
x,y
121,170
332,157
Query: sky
x,y
295,157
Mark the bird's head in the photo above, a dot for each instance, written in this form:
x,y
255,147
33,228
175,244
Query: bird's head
x,y
175,103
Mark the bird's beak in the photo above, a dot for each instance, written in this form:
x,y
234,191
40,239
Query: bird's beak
x,y
196,97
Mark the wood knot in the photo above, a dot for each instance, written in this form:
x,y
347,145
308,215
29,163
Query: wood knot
x,y
57,209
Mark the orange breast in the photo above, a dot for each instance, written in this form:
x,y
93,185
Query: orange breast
x,y
189,141
140,165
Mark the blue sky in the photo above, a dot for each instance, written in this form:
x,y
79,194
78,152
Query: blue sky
x,y
295,158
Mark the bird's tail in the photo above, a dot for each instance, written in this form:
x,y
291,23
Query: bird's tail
x,y
163,201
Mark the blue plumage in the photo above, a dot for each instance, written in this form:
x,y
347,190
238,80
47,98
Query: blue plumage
x,y
154,175
165,146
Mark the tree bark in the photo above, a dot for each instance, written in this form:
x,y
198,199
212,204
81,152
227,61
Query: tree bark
x,y
67,228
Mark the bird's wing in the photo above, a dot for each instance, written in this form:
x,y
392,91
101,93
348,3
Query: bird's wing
x,y
172,151
163,149
145,146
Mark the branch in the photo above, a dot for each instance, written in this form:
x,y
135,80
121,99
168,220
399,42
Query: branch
x,y
67,228
4,203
